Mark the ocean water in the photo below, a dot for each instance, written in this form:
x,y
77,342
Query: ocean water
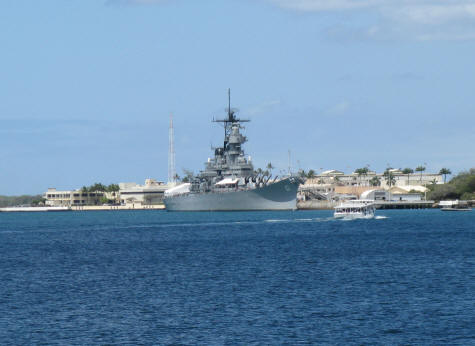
x,y
155,277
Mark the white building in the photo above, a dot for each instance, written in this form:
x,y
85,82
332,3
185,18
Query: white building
x,y
395,195
150,193
415,180
68,198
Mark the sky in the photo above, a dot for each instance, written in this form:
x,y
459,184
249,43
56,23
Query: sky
x,y
87,86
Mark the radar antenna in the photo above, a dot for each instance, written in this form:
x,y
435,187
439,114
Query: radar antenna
x,y
171,153
232,119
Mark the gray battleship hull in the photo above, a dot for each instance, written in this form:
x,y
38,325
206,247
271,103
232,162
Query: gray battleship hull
x,y
276,196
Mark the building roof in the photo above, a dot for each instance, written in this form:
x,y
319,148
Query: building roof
x,y
365,194
332,172
407,188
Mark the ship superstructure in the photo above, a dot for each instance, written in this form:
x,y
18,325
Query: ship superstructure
x,y
229,181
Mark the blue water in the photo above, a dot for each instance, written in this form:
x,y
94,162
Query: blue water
x,y
152,277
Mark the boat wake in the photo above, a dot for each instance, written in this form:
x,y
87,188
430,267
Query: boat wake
x,y
171,225
369,217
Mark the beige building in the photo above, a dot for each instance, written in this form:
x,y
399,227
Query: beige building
x,y
68,198
333,184
338,178
151,193
132,194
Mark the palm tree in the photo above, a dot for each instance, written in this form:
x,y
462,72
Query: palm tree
x,y
420,169
445,172
270,167
375,181
361,171
389,177
113,188
311,174
408,171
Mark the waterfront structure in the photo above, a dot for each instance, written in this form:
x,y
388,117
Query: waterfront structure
x,y
394,194
151,193
334,185
338,178
133,194
229,181
68,198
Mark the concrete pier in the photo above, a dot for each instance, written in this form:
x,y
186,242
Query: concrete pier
x,y
404,204
328,205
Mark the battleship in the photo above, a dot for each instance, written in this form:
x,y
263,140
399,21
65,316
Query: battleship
x,y
229,181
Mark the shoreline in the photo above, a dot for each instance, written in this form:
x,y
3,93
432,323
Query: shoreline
x,y
81,208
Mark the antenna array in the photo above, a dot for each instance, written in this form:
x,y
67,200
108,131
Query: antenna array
x,y
171,153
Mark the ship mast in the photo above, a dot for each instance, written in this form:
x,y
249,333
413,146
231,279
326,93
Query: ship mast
x,y
171,153
228,123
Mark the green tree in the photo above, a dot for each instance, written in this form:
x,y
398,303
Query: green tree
x,y
97,187
389,177
37,202
445,172
375,181
462,186
420,169
408,172
188,175
270,167
361,172
302,174
311,174
113,188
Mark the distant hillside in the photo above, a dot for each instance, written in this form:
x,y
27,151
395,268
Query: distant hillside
x,y
10,201
462,186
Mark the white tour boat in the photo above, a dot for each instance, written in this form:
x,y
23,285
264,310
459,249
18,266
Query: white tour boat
x,y
355,209
454,206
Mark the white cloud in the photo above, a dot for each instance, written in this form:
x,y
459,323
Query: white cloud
x,y
433,14
325,5
421,20
417,19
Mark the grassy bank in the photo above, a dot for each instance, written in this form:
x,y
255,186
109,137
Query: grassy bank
x,y
11,201
462,187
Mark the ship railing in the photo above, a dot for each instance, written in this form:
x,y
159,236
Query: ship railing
x,y
221,190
